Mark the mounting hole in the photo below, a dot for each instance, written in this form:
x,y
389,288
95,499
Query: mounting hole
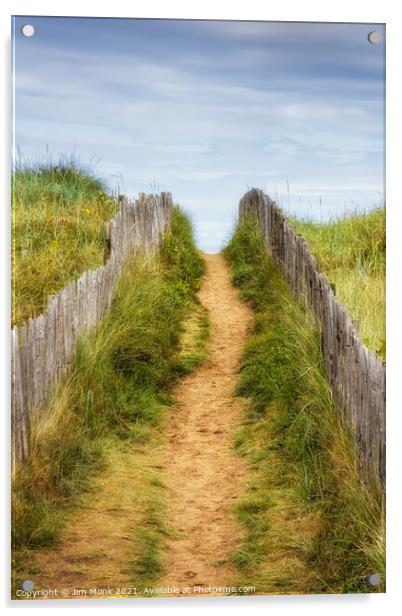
x,y
27,585
27,30
374,579
373,37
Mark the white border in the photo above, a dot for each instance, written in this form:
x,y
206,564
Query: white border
x,y
286,10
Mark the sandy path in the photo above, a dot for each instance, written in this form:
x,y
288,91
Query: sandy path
x,y
204,475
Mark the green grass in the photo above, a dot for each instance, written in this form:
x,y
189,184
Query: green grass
x,y
311,524
117,392
351,251
58,214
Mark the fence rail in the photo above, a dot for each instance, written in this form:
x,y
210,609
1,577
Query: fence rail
x,y
356,374
43,347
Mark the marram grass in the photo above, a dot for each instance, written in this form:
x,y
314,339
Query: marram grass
x,y
58,215
311,524
351,252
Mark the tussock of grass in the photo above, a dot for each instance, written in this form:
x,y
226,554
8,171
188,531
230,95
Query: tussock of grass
x,y
351,251
147,567
117,390
322,528
193,340
58,213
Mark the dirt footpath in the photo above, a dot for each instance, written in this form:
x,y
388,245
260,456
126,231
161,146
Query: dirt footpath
x,y
204,476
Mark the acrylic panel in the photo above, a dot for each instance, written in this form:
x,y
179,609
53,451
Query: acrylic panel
x,y
198,308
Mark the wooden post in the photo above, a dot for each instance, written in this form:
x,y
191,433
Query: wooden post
x,y
43,348
356,375
107,241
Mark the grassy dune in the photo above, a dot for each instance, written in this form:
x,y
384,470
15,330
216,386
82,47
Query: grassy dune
x,y
310,525
115,397
58,214
351,251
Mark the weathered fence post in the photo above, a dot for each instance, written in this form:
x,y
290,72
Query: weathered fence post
x,y
42,348
355,374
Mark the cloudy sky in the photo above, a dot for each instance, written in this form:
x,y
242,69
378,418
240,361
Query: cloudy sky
x,y
209,109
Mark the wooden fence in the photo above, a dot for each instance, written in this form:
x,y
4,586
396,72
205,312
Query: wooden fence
x,y
356,375
42,348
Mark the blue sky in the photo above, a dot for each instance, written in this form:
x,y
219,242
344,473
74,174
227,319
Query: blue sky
x,y
208,109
